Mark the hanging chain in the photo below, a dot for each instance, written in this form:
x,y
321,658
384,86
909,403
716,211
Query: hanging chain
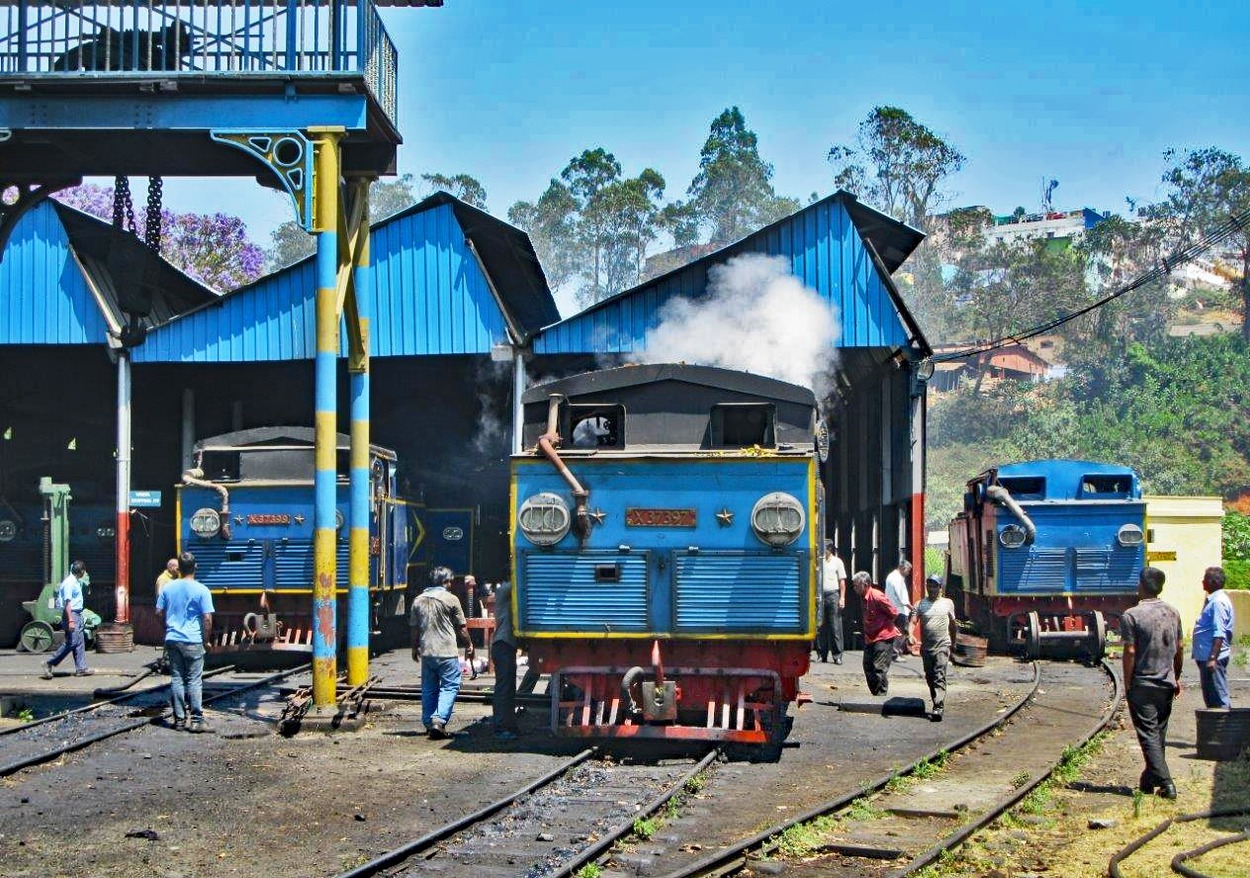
x,y
152,230
123,207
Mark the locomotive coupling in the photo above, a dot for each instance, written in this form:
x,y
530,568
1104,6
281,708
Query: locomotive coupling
x,y
659,701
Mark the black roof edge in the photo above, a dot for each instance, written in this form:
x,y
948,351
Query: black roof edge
x,y
866,219
630,376
259,437
917,335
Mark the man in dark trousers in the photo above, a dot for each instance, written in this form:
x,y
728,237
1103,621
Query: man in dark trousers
x,y
503,657
830,605
879,633
1153,655
439,628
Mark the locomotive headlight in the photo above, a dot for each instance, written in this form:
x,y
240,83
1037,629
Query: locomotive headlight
x,y
205,522
1013,536
1130,535
8,530
105,532
544,519
778,519
338,519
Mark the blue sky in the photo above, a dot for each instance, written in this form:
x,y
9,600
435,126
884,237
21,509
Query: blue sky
x,y
1086,93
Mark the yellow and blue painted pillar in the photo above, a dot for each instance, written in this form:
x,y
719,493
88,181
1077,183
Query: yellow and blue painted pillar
x,y
325,225
358,584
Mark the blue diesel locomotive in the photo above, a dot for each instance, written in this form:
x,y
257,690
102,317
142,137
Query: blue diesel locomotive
x,y
246,512
664,555
1046,553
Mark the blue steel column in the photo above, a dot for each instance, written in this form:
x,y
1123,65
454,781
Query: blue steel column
x,y
325,225
358,591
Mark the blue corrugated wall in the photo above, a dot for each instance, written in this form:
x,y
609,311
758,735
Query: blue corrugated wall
x,y
44,298
429,297
825,251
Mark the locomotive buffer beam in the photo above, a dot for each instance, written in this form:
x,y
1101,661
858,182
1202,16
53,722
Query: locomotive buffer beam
x,y
735,716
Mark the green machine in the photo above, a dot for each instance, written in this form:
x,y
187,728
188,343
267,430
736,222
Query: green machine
x,y
42,632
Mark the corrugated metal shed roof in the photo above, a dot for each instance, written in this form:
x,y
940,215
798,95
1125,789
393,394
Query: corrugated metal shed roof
x,y
430,296
55,285
842,249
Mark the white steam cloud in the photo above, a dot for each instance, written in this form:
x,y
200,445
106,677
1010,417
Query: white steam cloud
x,y
756,317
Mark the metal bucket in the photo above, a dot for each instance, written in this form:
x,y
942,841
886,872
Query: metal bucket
x,y
970,651
1223,734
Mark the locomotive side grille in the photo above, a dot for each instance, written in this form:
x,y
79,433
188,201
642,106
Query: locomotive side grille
x,y
227,565
1106,569
293,564
1035,570
562,593
725,592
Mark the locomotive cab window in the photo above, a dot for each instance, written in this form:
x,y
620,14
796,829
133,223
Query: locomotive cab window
x,y
741,425
1025,487
1105,486
596,426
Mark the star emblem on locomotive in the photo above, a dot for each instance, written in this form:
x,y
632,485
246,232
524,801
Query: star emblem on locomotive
x,y
725,517
599,516
299,519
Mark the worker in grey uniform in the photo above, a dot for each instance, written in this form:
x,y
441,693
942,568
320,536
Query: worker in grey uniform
x,y
938,628
503,657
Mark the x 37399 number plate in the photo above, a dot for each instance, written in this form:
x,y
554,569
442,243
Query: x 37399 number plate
x,y
637,517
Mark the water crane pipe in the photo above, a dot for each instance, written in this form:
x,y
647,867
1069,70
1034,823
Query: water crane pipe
x,y
547,445
999,494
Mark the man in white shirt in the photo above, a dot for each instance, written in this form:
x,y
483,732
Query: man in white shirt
x,y
898,590
829,605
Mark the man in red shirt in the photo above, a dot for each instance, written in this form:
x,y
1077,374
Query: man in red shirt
x,y
879,632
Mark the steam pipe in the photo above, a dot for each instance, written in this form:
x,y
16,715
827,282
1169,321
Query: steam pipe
x,y
999,494
195,477
547,445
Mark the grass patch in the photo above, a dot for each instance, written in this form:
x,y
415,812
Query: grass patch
x,y
927,768
1020,780
863,809
590,870
645,827
803,839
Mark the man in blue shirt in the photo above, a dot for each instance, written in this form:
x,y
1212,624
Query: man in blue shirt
x,y
69,600
186,607
1213,636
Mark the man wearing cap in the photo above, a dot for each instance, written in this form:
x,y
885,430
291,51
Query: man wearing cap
x,y
829,607
937,632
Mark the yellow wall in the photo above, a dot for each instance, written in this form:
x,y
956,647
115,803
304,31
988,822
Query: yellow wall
x,y
1241,613
1184,539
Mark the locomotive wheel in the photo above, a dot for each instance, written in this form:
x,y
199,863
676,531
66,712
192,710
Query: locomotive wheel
x,y
36,636
1097,638
1033,636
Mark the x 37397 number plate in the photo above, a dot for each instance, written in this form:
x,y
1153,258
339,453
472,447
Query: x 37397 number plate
x,y
637,517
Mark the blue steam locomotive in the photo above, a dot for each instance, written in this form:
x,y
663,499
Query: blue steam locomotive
x,y
664,556
1046,554
246,512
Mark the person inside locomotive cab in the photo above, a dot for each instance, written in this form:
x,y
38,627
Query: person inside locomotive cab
x,y
596,431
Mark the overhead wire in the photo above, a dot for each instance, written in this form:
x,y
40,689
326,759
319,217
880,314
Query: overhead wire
x,y
1231,226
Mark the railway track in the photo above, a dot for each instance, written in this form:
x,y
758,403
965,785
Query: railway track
x,y
1180,862
50,738
901,822
547,829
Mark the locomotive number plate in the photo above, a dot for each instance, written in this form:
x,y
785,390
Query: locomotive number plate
x,y
269,518
636,517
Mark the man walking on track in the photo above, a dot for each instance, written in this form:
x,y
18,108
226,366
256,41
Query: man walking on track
x,y
1153,656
